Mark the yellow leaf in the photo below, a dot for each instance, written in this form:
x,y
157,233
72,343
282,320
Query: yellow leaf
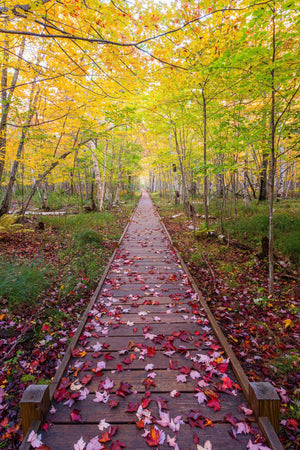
x,y
288,323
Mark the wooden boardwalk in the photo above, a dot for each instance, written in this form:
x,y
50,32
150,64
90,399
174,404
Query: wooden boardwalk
x,y
147,370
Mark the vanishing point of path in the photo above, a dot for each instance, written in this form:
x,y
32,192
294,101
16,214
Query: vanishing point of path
x,y
147,370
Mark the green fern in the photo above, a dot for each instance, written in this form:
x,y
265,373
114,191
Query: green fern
x,y
8,223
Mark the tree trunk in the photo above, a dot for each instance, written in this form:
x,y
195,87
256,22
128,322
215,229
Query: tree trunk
x,y
183,182
97,179
6,99
5,205
205,159
281,178
43,177
272,163
103,177
263,178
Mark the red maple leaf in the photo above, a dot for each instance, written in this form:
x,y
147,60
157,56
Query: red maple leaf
x,y
86,379
113,404
145,402
162,403
132,407
124,389
151,351
229,418
117,445
196,419
213,402
75,415
112,430
153,437
105,437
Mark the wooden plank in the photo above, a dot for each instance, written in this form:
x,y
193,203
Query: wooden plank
x,y
166,318
150,308
138,285
165,381
65,436
269,433
119,342
155,328
159,360
35,426
92,412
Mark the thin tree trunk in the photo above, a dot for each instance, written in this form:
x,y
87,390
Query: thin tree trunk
x,y
97,179
6,98
4,208
43,177
205,159
183,183
272,163
281,178
103,176
263,178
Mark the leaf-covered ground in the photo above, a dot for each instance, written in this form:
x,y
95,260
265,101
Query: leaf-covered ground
x,y
264,332
34,337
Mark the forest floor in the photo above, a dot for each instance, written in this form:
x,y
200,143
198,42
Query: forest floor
x,y
263,331
64,261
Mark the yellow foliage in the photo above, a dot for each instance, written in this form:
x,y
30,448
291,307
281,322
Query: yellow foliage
x,y
8,223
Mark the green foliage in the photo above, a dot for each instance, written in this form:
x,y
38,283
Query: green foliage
x,y
285,364
290,245
261,301
250,227
76,223
8,223
89,237
21,283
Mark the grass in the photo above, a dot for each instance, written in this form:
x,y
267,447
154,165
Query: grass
x,y
82,243
252,223
21,283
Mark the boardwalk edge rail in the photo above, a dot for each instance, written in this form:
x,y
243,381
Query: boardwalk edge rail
x,y
262,396
36,399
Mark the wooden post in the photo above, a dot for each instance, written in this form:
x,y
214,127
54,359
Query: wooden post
x,y
269,433
265,402
34,405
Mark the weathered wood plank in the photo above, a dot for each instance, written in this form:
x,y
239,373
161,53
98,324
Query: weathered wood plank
x,y
166,318
159,360
269,433
165,381
155,328
92,412
65,436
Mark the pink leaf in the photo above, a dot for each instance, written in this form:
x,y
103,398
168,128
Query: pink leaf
x,y
80,445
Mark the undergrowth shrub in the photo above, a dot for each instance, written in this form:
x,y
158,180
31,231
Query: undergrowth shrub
x,y
21,283
291,246
89,237
8,224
